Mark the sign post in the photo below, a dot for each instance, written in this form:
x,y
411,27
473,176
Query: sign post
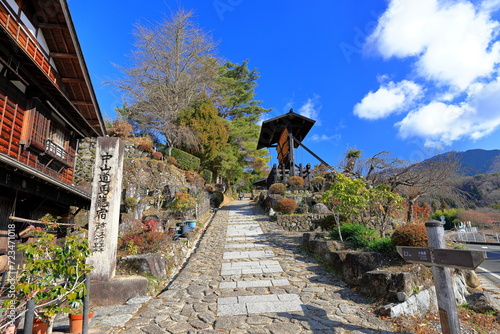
x,y
104,213
441,260
448,313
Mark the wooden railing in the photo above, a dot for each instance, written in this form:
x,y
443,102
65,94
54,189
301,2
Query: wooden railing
x,y
58,153
28,43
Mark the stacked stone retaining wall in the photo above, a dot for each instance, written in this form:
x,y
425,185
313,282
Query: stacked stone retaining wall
x,y
304,223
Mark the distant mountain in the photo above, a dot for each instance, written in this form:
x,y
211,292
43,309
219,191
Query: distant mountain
x,y
475,161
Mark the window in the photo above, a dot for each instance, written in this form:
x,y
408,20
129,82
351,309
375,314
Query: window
x,y
46,135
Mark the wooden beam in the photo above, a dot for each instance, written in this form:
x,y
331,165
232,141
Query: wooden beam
x,y
82,103
72,80
63,55
52,26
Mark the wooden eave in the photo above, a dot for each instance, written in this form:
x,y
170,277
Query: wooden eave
x,y
271,129
10,165
72,87
60,35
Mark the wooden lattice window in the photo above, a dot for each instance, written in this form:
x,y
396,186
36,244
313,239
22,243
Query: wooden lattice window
x,y
36,129
46,136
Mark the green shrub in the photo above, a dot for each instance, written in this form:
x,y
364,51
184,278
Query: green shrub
x,y
412,235
381,245
277,188
185,160
327,223
286,206
450,217
130,202
495,206
357,235
207,175
216,199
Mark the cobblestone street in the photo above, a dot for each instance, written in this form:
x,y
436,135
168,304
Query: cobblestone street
x,y
247,275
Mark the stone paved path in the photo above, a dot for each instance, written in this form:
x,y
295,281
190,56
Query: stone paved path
x,y
249,276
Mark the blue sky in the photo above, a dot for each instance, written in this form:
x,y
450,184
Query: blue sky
x,y
414,78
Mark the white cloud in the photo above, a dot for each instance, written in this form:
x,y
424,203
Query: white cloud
x,y
323,137
388,99
311,108
451,45
441,124
451,40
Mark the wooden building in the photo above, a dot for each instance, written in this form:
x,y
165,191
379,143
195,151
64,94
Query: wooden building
x,y
286,132
47,104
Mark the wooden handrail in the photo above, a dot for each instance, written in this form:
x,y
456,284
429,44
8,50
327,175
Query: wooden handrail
x,y
19,34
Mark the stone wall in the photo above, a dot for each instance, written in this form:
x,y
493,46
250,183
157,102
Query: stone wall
x,y
305,222
371,274
145,179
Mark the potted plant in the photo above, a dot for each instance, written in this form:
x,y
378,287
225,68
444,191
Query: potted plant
x,y
76,316
54,272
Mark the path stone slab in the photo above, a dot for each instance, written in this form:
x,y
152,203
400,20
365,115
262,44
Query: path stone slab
x,y
248,245
259,304
254,284
246,238
247,255
250,267
243,230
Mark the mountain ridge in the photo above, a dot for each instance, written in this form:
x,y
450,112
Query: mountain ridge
x,y
475,161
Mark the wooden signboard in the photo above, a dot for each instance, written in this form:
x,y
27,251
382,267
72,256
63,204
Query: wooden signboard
x,y
454,258
283,148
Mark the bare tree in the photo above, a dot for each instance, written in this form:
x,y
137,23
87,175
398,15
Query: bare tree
x,y
173,64
430,177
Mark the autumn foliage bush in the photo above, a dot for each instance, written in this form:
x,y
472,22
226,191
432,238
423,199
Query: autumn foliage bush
x,y
120,128
277,188
144,143
142,238
413,235
157,155
295,182
286,206
172,161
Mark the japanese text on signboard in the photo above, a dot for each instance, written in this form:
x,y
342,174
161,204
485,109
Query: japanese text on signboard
x,y
102,204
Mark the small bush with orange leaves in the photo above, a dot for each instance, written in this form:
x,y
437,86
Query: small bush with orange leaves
x,y
144,144
413,235
295,182
286,206
120,128
190,176
172,161
277,188
157,155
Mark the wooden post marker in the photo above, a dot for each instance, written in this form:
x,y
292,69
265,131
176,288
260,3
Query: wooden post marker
x,y
441,260
448,313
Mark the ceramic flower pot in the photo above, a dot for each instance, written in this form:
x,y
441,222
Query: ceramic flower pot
x,y
39,327
76,323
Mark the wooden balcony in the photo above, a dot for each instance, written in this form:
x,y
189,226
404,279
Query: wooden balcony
x,y
58,153
28,43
